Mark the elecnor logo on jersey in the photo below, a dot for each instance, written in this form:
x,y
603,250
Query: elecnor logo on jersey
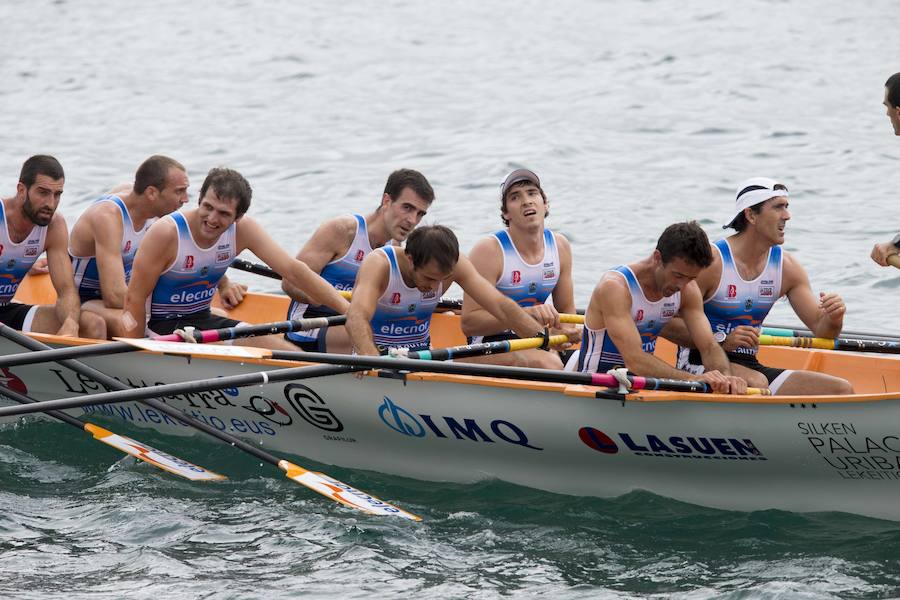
x,y
189,261
359,255
395,298
677,446
404,422
732,290
517,276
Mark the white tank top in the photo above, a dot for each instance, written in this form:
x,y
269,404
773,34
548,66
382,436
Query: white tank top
x,y
402,316
598,353
17,259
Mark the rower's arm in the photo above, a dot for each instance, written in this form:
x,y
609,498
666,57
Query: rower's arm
x,y
371,282
612,298
253,237
323,247
156,253
700,331
564,290
504,309
486,257
107,230
68,305
676,331
823,320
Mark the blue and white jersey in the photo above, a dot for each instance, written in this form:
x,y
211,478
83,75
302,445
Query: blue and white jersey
x,y
341,273
188,285
87,276
402,316
527,284
740,302
16,259
598,353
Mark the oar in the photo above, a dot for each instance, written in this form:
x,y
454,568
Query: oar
x,y
846,344
148,454
799,331
261,269
337,491
483,348
404,364
199,336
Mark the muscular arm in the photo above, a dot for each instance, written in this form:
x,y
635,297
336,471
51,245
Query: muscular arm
x,y
613,300
251,236
371,282
68,305
824,316
107,230
324,246
504,309
564,291
487,259
155,254
700,332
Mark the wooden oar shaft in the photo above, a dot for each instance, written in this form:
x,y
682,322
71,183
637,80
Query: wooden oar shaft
x,y
485,348
846,344
524,373
148,395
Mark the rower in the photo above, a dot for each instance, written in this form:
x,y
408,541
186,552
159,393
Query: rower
x,y
748,273
881,251
106,236
184,255
632,303
337,249
527,262
29,225
398,289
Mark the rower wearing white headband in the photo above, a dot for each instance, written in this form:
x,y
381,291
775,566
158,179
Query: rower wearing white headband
x,y
749,272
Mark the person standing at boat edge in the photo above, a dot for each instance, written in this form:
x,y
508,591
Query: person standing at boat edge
x,y
881,252
184,255
398,289
632,303
527,262
339,245
105,238
749,273
29,225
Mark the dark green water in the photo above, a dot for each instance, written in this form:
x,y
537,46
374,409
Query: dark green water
x,y
79,522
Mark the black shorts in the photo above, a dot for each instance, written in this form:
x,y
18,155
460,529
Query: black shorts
x,y
316,345
497,337
202,321
745,360
15,313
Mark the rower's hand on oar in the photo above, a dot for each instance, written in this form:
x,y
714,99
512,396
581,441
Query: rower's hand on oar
x,y
573,332
833,306
719,382
742,336
881,252
232,294
737,385
544,314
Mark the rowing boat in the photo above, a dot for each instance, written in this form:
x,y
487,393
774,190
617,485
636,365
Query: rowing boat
x,y
810,453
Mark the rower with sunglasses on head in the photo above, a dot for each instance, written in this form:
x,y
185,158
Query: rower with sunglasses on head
x,y
749,272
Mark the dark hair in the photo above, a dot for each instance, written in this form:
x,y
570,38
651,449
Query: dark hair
x,y
40,164
893,88
153,172
433,242
408,178
685,240
740,222
519,184
228,184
